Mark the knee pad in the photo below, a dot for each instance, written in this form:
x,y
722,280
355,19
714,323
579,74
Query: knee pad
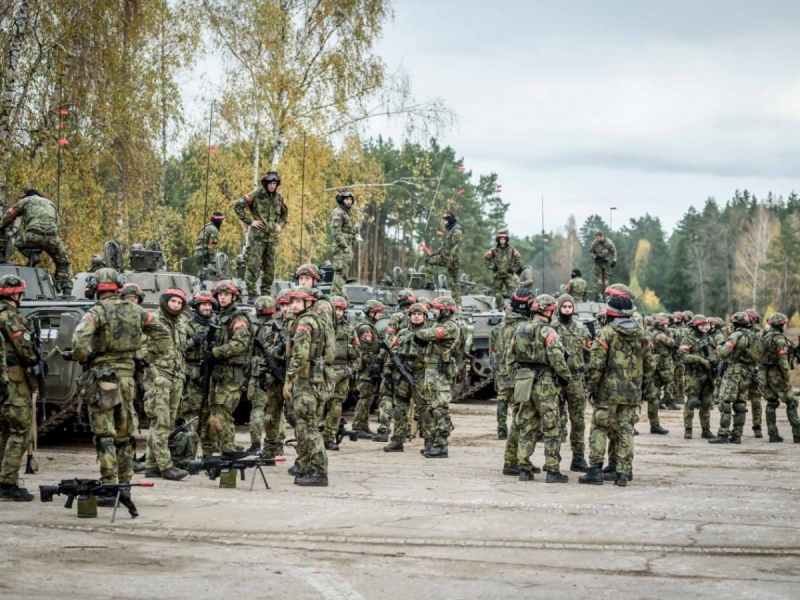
x,y
740,408
397,414
790,405
426,416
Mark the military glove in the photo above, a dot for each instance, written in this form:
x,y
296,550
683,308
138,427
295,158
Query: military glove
x,y
67,355
705,363
215,353
287,390
3,391
613,263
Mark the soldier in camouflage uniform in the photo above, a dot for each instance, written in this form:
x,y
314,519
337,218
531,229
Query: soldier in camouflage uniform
x,y
345,367
448,256
441,341
758,382
604,253
108,339
576,339
96,262
164,388
676,391
664,346
194,406
274,421
739,355
132,292
577,286
304,375
504,262
775,363
344,240
536,356
261,380
698,353
229,375
39,233
619,362
370,367
17,384
504,398
205,246
265,213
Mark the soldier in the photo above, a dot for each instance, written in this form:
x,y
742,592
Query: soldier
x,y
164,388
261,380
675,392
440,369
132,292
194,405
448,256
739,354
775,363
97,262
758,382
577,286
619,361
39,233
698,352
108,339
604,253
17,384
304,375
576,340
663,348
536,356
504,261
205,246
504,399
231,343
265,213
344,239
274,422
345,367
370,367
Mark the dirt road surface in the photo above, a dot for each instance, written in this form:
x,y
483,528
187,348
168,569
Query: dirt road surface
x,y
697,521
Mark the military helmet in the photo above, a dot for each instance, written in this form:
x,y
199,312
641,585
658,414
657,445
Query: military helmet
x,y
217,217
341,196
418,307
163,301
698,320
108,280
521,300
131,289
740,319
202,297
302,292
677,317
661,319
687,316
753,315
270,176
444,303
97,262
308,270
526,276
265,305
501,235
406,298
226,285
544,304
11,284
778,321
282,297
339,302
620,289
371,306
649,321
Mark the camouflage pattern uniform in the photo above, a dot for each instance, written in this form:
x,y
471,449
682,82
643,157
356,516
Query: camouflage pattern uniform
x,y
758,381
605,258
345,367
271,210
449,257
260,376
274,421
112,332
503,399
578,289
664,346
699,356
369,366
676,391
504,261
205,247
164,385
39,232
536,356
344,240
194,405
775,363
504,380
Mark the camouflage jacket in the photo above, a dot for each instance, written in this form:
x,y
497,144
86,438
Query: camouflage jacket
x,y
535,345
17,339
442,339
450,250
577,288
38,215
503,261
170,364
575,338
698,353
397,322
347,345
307,349
259,205
412,353
739,349
232,338
504,332
113,330
343,229
262,340
619,362
369,345
3,364
776,350
197,324
324,309
205,246
664,346
603,251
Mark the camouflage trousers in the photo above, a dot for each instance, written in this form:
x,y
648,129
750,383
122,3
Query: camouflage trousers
x,y
602,278
699,396
53,246
512,441
503,286
367,391
435,416
310,446
274,420
113,430
733,395
401,414
385,408
538,410
614,422
162,399
778,390
341,267
226,390
15,430
190,409
676,390
452,276
661,381
502,412
258,406
259,258
755,400
574,406
333,409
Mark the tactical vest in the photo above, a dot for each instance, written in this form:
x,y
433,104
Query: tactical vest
x,y
528,346
120,328
225,333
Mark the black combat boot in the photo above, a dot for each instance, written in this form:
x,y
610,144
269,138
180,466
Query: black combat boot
x,y
502,434
293,470
525,475
138,467
428,446
671,405
719,439
279,450
622,480
707,435
658,430
174,474
594,476
513,470
757,431
255,448
33,258
435,453
797,439
776,438
152,472
251,298
380,437
635,431
66,293
610,472
578,464
332,446
687,434
556,477
312,479
366,433
736,440
394,447
15,493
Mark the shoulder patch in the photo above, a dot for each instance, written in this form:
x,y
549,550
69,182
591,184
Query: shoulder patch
x,y
249,199
302,329
601,342
239,324
551,337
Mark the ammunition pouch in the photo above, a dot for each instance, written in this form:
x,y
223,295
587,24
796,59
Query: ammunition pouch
x,y
239,374
524,380
317,371
107,389
16,374
447,368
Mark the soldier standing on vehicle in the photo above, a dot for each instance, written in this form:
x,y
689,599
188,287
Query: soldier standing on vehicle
x,y
775,362
261,380
108,339
205,246
699,355
345,367
345,237
370,369
265,213
604,253
96,262
504,261
16,387
447,256
164,387
577,286
194,406
39,233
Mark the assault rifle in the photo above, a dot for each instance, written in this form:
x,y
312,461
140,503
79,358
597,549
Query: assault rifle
x,y
401,367
708,374
275,359
216,465
83,489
